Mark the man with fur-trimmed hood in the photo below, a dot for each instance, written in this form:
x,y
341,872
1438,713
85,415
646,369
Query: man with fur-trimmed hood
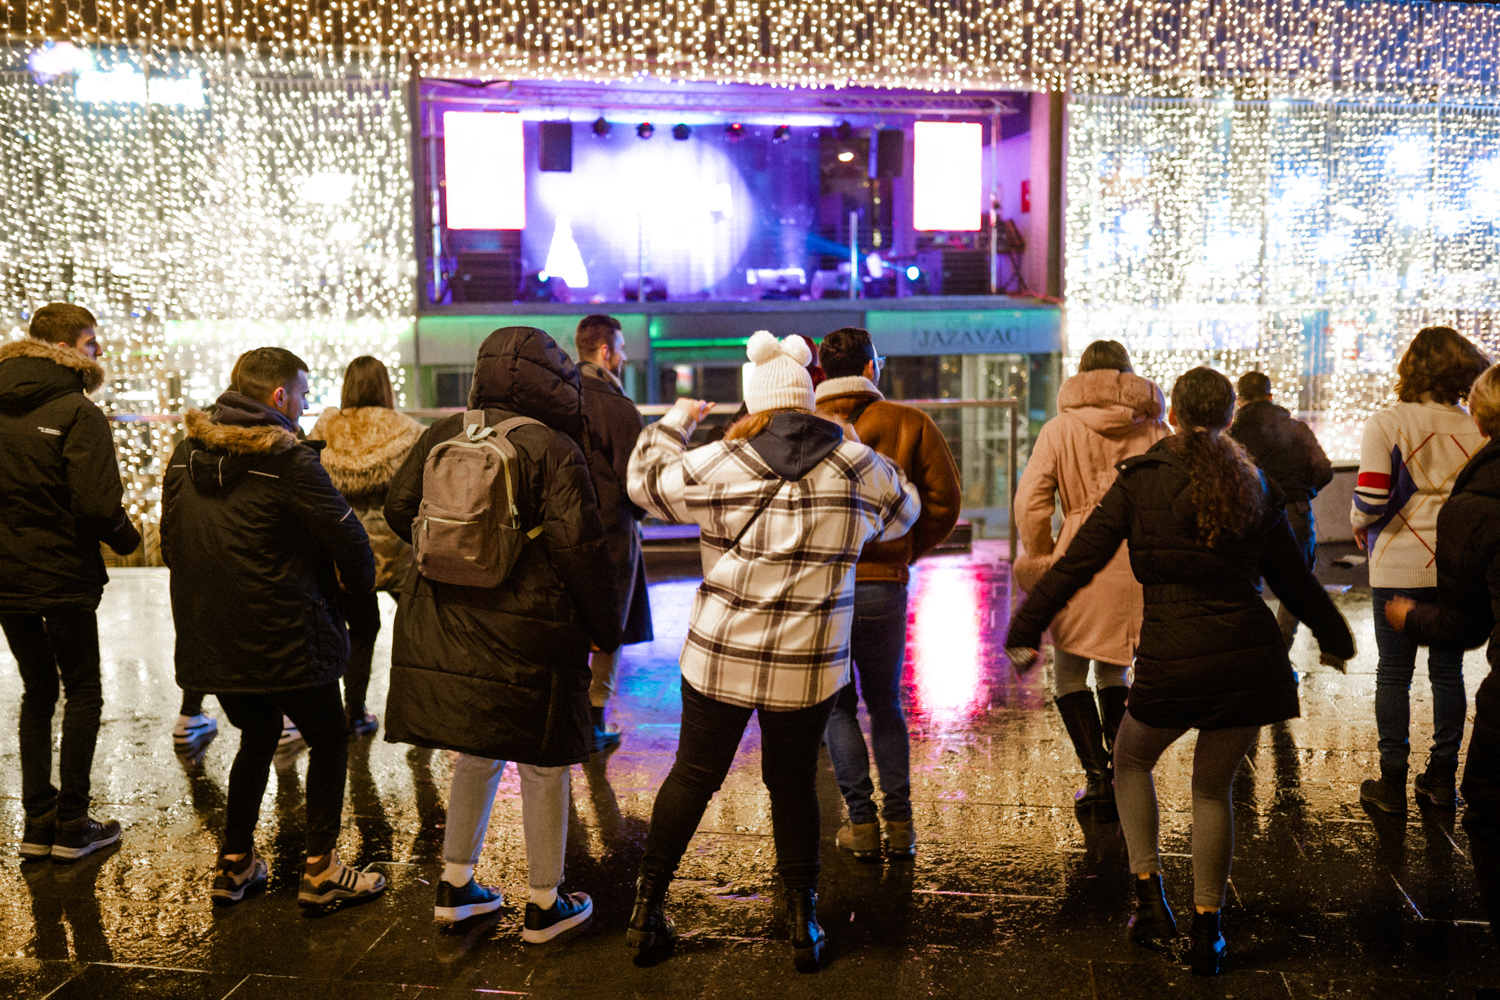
x,y
60,496
259,541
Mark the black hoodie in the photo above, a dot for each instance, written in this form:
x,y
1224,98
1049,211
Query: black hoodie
x,y
504,673
60,489
258,541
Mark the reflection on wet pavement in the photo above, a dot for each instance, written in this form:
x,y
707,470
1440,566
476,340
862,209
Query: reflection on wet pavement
x,y
1009,893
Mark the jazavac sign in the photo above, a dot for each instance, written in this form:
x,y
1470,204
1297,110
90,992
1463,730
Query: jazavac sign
x,y
987,331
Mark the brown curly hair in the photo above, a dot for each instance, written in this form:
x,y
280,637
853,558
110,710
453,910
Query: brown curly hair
x,y
1225,487
1440,363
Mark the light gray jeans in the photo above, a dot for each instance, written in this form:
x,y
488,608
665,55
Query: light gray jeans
x,y
544,815
1070,673
1216,758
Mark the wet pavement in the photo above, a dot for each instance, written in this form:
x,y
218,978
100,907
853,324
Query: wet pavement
x,y
1009,895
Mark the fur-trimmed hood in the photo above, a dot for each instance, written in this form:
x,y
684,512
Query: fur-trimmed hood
x,y
1110,402
33,372
847,385
229,452
365,447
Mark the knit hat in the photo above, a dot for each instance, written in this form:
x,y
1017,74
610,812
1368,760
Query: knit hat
x,y
779,378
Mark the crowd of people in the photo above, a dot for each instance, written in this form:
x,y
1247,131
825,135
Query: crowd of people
x,y
509,536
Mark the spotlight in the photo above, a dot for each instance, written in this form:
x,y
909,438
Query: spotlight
x,y
681,132
846,156
645,130
734,132
845,131
601,127
782,133
913,272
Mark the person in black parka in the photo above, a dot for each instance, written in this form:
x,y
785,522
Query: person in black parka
x,y
258,542
1466,615
1287,451
502,674
614,425
1203,526
60,496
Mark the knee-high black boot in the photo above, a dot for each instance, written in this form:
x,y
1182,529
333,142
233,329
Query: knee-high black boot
x,y
1080,717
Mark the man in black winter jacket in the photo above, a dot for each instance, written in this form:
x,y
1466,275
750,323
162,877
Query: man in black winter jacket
x,y
60,496
614,425
1286,450
259,542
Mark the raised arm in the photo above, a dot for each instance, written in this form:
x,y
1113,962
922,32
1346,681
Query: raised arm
x,y
656,482
898,505
1090,551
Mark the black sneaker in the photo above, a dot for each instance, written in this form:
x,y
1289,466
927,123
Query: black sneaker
x,y
232,879
78,838
572,909
455,903
41,833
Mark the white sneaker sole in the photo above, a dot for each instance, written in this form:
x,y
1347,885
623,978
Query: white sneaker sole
x,y
337,894
36,850
453,914
60,853
548,933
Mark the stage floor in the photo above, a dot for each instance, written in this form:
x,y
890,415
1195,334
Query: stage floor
x,y
1008,895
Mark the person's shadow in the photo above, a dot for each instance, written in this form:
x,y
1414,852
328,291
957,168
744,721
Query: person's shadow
x,y
377,838
432,814
68,895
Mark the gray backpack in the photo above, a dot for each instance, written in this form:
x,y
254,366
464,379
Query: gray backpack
x,y
468,530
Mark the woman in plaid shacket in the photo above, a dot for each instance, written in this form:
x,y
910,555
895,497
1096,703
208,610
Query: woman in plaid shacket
x,y
784,504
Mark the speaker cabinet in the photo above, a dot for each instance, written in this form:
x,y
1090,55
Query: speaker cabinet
x,y
890,152
557,147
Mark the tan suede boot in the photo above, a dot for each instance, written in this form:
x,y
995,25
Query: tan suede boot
x,y
861,839
900,838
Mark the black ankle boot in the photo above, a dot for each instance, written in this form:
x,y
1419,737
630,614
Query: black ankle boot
x,y
1080,717
1152,918
807,936
1438,785
1207,954
650,928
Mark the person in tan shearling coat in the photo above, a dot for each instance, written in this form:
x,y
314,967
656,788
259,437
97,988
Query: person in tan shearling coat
x,y
1106,414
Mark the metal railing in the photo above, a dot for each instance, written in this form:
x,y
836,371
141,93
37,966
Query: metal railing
x,y
1013,406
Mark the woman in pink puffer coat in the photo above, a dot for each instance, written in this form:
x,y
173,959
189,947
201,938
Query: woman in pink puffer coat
x,y
1106,414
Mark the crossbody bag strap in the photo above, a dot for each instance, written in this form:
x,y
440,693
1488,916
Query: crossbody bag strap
x,y
758,512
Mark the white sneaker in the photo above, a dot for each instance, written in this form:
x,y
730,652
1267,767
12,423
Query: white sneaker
x,y
289,732
192,728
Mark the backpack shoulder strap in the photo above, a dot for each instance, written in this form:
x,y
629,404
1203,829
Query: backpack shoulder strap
x,y
474,428
504,427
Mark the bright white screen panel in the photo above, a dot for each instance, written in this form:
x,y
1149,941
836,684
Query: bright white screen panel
x,y
484,157
946,175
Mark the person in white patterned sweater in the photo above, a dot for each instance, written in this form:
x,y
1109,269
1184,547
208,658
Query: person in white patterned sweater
x,y
1411,455
784,503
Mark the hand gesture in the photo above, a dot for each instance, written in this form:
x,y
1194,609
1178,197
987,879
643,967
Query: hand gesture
x,y
696,409
1396,610
1022,659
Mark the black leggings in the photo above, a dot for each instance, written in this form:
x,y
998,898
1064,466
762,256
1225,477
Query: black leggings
x,y
319,714
710,736
362,614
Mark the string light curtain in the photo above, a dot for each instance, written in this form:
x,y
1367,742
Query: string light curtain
x,y
1310,240
1047,44
271,204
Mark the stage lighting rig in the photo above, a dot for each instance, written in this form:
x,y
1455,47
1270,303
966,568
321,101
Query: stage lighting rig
x,y
645,130
600,127
734,132
781,133
681,132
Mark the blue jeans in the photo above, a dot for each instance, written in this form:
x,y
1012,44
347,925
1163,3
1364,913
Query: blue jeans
x,y
1398,661
877,643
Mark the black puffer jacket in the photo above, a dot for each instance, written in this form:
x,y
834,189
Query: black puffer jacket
x,y
1285,448
60,489
1211,655
504,673
253,529
1468,570
614,425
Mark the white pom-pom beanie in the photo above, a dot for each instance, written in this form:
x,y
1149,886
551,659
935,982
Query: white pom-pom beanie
x,y
779,378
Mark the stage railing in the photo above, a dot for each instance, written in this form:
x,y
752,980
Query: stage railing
x,y
143,435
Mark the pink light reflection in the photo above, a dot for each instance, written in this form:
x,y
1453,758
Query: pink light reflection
x,y
946,661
